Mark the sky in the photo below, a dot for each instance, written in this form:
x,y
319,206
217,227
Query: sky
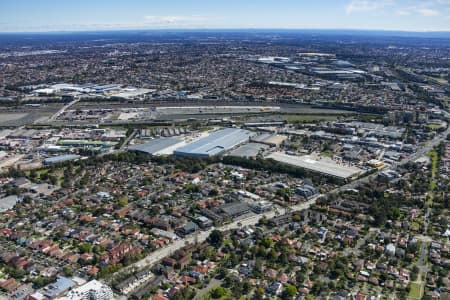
x,y
87,15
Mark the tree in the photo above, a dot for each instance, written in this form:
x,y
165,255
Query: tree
x,y
414,273
209,253
68,272
186,293
84,248
289,291
300,277
317,288
218,292
33,174
222,273
216,238
259,294
123,202
213,193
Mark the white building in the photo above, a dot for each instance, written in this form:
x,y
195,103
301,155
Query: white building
x,y
93,290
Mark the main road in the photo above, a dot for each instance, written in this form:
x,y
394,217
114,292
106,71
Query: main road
x,y
201,236
63,109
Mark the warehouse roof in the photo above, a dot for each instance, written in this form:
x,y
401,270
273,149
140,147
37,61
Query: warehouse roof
x,y
215,143
155,145
248,150
269,139
8,202
234,208
84,291
322,165
61,285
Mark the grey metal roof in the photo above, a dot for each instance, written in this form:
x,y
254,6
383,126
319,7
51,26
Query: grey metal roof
x,y
155,145
234,208
323,165
62,284
189,226
8,202
248,150
215,143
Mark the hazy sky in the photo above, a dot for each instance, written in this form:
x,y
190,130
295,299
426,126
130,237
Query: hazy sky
x,y
74,15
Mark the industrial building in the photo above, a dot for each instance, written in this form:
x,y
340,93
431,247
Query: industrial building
x,y
273,140
92,290
156,146
8,202
133,93
249,150
261,207
60,286
388,175
306,191
188,228
86,144
321,165
235,209
203,222
216,143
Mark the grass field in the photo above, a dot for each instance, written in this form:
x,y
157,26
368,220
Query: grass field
x,y
440,80
415,291
434,126
434,169
327,153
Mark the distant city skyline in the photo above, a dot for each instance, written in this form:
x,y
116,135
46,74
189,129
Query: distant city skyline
x,y
84,15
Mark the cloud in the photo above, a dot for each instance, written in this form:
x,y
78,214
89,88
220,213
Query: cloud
x,y
425,8
146,22
403,13
428,12
366,5
177,20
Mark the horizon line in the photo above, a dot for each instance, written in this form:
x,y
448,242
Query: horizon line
x,y
224,29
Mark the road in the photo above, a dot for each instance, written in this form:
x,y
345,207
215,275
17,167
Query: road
x,y
355,250
423,252
63,109
127,140
203,235
429,145
202,292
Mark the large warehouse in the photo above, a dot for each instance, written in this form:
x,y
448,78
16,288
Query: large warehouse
x,y
273,140
249,150
215,143
156,146
323,165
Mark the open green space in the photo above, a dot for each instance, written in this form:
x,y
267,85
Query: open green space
x,y
434,169
327,153
434,126
415,291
